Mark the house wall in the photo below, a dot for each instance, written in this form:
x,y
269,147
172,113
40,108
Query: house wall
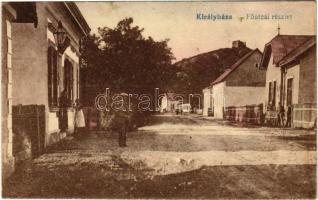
x,y
307,79
169,105
273,73
31,68
164,104
244,86
218,99
242,96
206,101
247,74
305,110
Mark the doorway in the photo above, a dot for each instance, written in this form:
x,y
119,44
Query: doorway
x,y
289,91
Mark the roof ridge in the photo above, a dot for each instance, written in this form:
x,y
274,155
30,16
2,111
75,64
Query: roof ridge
x,y
288,35
207,52
201,54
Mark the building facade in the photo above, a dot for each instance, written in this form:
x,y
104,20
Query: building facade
x,y
168,103
42,41
290,63
207,101
240,85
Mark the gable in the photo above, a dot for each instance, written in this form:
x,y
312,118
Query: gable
x,y
280,46
248,73
228,71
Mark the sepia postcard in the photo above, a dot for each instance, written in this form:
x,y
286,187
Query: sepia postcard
x,y
159,100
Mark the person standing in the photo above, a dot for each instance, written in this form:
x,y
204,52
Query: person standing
x,y
281,114
79,123
289,116
121,124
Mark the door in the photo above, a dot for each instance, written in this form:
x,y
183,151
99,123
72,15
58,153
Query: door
x,y
289,92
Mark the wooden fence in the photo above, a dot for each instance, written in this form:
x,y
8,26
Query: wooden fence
x,y
304,115
248,114
28,124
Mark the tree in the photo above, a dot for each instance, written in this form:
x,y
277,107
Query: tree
x,y
125,61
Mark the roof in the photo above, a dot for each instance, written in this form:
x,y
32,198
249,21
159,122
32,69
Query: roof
x,y
207,88
78,17
280,46
300,50
26,12
233,67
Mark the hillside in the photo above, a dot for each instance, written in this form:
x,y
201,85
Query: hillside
x,y
197,72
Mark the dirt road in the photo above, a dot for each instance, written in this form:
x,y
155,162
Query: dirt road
x,y
176,157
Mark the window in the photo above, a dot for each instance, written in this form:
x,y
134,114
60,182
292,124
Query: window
x,y
68,81
52,77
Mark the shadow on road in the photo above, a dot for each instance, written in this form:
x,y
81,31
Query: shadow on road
x,y
152,141
98,181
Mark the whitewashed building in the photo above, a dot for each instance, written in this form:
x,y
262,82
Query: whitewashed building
x,y
240,85
290,64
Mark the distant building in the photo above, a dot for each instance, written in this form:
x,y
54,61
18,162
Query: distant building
x,y
238,44
207,101
169,103
40,59
290,61
240,85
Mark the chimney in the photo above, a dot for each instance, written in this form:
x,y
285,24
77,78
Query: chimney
x,y
238,44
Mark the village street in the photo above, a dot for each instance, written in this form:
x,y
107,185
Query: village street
x,y
175,157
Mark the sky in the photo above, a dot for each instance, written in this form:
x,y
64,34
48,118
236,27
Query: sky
x,y
189,36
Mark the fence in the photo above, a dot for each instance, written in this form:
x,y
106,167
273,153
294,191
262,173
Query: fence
x,y
28,124
248,114
304,115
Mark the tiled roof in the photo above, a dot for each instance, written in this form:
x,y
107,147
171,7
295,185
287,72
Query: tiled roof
x,y
280,46
78,17
293,55
233,67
